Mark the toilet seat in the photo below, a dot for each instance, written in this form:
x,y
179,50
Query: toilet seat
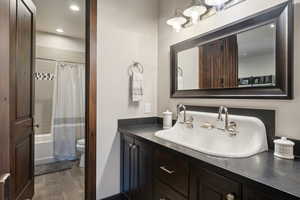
x,y
81,141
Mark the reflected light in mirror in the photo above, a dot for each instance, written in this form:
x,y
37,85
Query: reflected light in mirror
x,y
59,30
195,12
177,23
74,7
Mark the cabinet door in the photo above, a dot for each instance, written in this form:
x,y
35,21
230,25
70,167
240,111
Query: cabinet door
x,y
127,166
164,192
255,194
205,185
143,171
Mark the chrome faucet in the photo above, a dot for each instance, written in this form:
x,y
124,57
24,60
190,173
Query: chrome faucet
x,y
220,117
189,123
230,127
179,107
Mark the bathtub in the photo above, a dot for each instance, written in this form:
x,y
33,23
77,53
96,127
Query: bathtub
x,y
43,149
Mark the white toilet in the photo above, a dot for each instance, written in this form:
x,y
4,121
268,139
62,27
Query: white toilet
x,y
81,148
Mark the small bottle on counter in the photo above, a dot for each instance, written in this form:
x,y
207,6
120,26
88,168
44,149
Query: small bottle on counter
x,y
167,119
284,148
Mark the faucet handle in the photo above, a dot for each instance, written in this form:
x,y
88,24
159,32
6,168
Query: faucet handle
x,y
232,128
233,124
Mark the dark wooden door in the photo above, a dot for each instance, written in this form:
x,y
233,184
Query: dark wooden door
x,y
4,98
218,64
21,102
127,166
143,171
205,185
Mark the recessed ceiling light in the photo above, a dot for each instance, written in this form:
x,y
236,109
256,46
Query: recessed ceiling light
x,y
74,7
59,30
272,25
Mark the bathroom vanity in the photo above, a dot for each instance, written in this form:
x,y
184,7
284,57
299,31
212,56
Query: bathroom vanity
x,y
154,168
226,163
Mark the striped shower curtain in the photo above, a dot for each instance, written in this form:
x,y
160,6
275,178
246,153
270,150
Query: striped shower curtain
x,y
68,109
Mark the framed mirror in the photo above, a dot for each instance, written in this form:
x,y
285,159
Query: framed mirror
x,y
251,58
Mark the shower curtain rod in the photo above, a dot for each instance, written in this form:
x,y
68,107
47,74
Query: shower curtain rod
x,y
48,59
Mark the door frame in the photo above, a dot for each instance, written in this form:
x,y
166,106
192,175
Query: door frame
x,y
91,100
91,92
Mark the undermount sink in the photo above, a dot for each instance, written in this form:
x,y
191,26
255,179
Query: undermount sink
x,y
251,137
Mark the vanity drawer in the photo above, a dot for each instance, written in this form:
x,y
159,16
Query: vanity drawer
x,y
172,170
164,192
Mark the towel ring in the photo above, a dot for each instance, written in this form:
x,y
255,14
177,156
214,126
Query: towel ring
x,y
137,65
180,71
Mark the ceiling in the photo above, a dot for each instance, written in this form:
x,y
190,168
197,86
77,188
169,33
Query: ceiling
x,y
54,14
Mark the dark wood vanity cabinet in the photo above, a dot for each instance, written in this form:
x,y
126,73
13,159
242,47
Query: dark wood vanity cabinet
x,y
136,169
254,195
257,193
172,170
206,185
164,192
152,172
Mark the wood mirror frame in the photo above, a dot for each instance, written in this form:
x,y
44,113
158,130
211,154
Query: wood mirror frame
x,y
282,16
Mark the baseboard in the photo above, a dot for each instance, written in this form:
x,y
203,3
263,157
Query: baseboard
x,y
45,160
115,197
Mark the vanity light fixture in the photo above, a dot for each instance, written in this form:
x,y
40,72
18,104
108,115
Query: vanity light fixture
x,y
59,30
195,10
74,7
216,3
199,10
177,21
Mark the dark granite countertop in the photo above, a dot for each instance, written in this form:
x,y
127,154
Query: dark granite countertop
x,y
280,174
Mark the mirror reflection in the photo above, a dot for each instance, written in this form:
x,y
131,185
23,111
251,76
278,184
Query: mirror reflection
x,y
246,59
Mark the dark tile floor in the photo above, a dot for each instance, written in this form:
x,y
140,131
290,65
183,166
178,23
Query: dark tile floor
x,y
64,185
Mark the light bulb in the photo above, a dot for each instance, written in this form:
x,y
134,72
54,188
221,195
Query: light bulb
x,y
176,23
215,2
195,12
177,28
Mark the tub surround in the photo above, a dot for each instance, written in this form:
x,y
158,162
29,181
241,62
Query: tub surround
x,y
278,176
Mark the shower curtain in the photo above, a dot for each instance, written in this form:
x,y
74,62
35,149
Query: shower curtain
x,y
68,110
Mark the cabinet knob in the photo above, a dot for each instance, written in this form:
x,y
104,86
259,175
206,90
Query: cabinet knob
x,y
230,197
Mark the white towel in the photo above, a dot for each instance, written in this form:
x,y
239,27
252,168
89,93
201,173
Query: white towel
x,y
137,86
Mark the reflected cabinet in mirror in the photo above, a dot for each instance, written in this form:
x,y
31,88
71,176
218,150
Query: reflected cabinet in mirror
x,y
252,58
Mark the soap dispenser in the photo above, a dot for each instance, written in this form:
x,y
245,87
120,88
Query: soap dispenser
x,y
167,119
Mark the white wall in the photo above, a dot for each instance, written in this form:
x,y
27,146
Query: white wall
x,y
288,112
127,32
50,40
188,60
